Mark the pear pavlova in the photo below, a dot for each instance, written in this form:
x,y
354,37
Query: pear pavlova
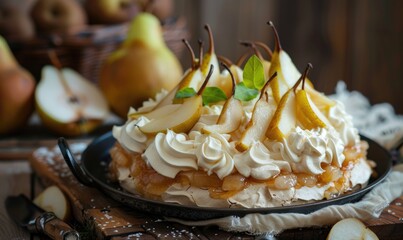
x,y
260,136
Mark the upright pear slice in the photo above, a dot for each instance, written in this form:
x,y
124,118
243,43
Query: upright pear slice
x,y
231,114
261,117
308,113
284,119
193,77
287,73
181,120
210,58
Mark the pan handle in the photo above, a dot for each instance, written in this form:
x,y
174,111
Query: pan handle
x,y
395,152
75,168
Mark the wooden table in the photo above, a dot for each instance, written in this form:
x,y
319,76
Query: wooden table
x,y
15,178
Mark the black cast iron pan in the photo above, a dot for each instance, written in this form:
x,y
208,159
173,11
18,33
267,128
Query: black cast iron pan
x,y
92,171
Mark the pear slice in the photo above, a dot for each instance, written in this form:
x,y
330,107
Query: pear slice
x,y
193,76
321,100
287,73
184,118
69,104
231,114
52,199
308,114
351,228
210,58
261,117
157,113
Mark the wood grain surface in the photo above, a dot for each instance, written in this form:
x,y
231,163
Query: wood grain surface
x,y
111,220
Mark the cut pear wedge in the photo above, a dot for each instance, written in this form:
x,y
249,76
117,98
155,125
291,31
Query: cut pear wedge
x,y
284,118
229,119
157,113
185,116
287,73
181,120
210,58
308,113
262,114
231,114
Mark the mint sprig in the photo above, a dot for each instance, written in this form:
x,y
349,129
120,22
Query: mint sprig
x,y
244,93
213,95
253,73
186,92
210,94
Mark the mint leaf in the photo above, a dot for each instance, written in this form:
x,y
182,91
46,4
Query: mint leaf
x,y
244,93
185,93
253,73
213,95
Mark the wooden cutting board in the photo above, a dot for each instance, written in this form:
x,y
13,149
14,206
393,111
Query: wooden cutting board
x,y
109,219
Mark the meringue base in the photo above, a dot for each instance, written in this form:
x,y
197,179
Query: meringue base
x,y
199,189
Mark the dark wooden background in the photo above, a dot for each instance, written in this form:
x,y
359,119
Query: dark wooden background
x,y
359,42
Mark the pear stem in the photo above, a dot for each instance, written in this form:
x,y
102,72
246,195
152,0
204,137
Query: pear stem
x,y
264,89
253,46
56,62
277,38
243,57
211,39
210,72
200,52
232,77
224,60
265,48
192,54
303,77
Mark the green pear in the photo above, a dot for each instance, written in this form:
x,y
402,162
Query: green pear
x,y
140,67
17,88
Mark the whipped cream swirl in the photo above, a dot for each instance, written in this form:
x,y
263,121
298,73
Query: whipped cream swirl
x,y
257,163
343,124
306,150
130,136
214,154
171,153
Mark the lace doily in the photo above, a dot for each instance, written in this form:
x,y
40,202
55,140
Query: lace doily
x,y
378,122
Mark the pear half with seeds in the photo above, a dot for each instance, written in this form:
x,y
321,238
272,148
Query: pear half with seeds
x,y
67,103
184,118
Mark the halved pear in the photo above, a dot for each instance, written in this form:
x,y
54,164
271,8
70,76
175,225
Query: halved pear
x,y
69,104
351,228
181,120
231,114
261,117
52,199
308,114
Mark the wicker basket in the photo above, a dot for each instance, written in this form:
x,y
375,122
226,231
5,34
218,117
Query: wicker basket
x,y
86,50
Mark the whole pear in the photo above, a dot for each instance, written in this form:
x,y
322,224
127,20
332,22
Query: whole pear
x,y
140,67
17,88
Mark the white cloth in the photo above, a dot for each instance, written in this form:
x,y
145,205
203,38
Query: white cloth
x,y
378,122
